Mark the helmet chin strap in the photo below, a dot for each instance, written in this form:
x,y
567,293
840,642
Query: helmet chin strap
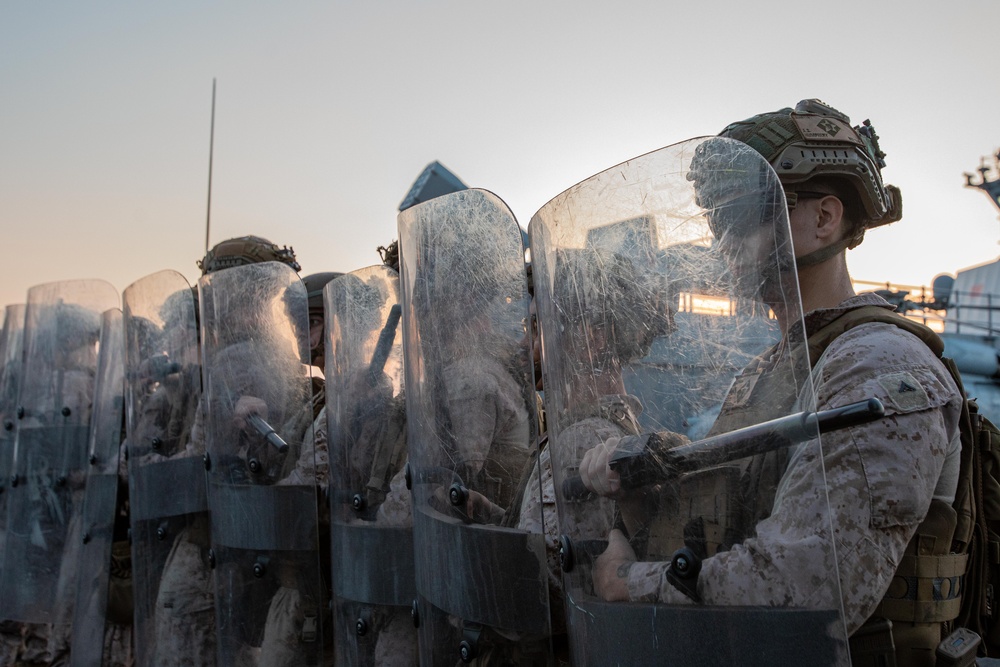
x,y
822,254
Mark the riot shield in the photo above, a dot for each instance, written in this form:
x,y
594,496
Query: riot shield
x,y
11,347
371,525
657,283
62,326
262,493
90,613
168,508
471,424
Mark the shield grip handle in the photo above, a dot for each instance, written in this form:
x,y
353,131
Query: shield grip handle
x,y
268,433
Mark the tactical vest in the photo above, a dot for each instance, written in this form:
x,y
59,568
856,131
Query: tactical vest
x,y
929,590
925,596
710,510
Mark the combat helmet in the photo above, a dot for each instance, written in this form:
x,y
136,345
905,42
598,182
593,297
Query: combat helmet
x,y
815,141
245,250
315,283
390,255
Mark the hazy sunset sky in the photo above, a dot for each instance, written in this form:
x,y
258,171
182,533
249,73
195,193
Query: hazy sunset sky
x,y
327,111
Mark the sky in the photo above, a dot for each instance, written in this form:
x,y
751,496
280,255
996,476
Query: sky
x,y
326,112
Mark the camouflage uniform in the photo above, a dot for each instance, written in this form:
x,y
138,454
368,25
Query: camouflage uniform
x,y
880,479
618,417
10,640
397,508
185,605
118,646
490,425
492,435
61,631
397,641
396,645
281,644
250,369
308,466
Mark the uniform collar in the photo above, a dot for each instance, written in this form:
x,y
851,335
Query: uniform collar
x,y
817,319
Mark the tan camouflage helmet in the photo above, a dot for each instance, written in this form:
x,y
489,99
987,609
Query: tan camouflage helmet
x,y
815,140
245,250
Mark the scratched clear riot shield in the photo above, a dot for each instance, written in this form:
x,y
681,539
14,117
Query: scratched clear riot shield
x,y
263,496
165,446
62,326
90,613
471,424
658,282
11,347
371,522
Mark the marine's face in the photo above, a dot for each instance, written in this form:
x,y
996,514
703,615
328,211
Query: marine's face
x,y
752,251
747,250
315,330
317,335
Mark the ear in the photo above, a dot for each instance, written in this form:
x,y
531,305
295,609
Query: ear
x,y
830,217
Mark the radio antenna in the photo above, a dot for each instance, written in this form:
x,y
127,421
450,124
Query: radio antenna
x,y
211,148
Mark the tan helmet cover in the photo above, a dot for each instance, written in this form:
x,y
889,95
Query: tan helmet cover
x,y
813,140
245,250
